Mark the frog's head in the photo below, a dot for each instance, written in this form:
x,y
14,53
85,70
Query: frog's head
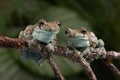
x,y
78,38
49,26
72,32
46,31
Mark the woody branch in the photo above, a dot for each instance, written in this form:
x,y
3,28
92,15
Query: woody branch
x,y
55,68
19,43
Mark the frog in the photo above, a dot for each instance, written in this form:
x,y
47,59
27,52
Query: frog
x,y
39,36
43,25
82,40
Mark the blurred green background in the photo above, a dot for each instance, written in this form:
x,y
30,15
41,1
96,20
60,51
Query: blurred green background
x,y
100,16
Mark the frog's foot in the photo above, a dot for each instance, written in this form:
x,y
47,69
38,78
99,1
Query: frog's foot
x,y
21,34
101,52
66,51
40,61
86,52
50,48
35,45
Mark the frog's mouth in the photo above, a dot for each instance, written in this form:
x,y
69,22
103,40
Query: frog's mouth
x,y
44,36
80,40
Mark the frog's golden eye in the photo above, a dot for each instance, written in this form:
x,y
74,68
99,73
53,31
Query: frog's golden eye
x,y
83,30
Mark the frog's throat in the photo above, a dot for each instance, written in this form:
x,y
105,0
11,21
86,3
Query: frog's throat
x,y
44,36
80,41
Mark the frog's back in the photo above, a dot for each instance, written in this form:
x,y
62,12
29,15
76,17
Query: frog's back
x,y
27,33
92,38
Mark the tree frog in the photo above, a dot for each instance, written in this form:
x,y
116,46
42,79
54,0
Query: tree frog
x,y
39,36
41,27
82,40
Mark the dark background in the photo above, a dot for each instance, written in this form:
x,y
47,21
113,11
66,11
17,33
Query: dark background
x,y
100,16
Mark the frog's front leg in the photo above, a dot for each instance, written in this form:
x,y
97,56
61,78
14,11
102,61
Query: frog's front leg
x,y
76,52
69,47
50,47
21,35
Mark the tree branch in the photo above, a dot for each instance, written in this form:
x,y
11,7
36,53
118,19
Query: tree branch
x,y
19,43
88,69
113,55
60,51
113,67
12,42
55,68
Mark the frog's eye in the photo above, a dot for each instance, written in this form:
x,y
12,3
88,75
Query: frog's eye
x,y
41,22
83,30
66,31
59,24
